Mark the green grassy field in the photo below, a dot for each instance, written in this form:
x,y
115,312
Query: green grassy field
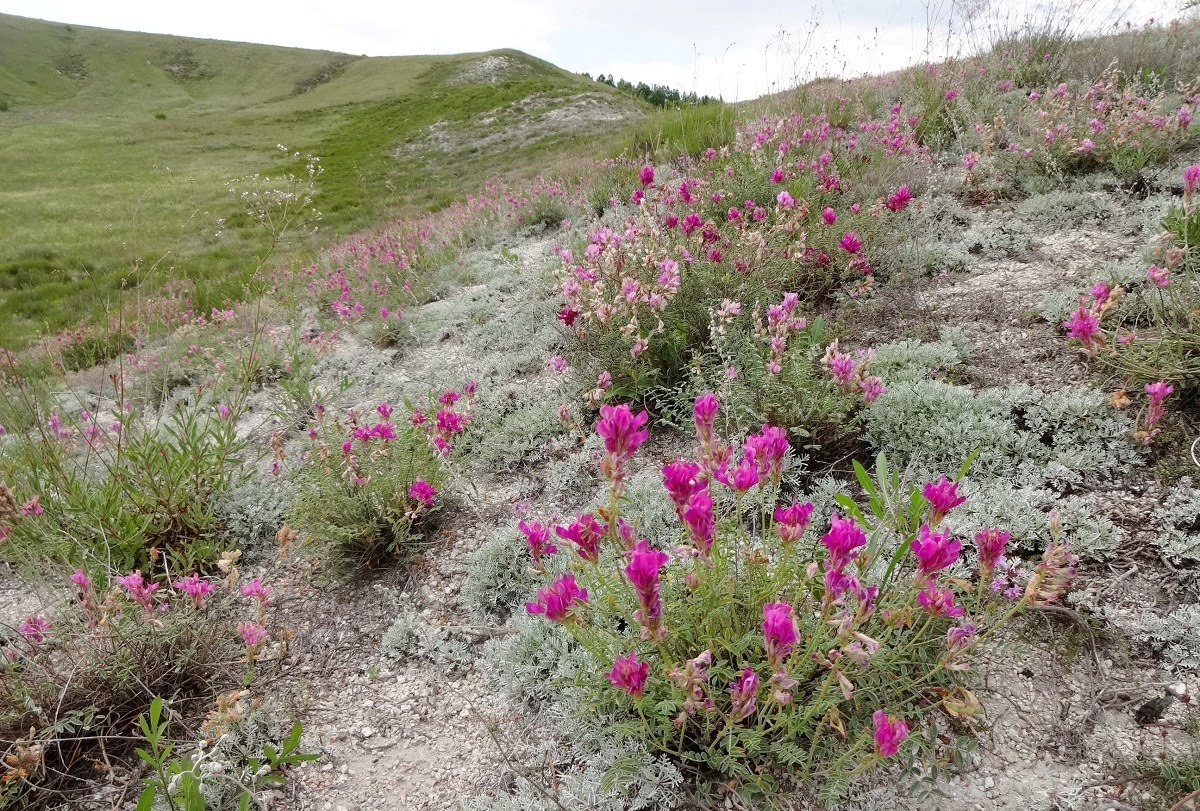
x,y
116,149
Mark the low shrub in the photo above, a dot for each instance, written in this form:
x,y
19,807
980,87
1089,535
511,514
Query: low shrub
x,y
1070,436
933,425
78,679
366,490
1010,239
748,652
1064,210
1177,524
1071,128
794,210
1146,328
910,360
243,753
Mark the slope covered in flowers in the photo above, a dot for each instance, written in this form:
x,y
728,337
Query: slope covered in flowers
x,y
839,464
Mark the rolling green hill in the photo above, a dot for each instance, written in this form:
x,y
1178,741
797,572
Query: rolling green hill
x,y
116,147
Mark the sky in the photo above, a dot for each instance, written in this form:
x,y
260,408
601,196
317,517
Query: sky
x,y
735,50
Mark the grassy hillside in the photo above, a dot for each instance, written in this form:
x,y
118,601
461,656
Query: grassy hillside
x,y
117,147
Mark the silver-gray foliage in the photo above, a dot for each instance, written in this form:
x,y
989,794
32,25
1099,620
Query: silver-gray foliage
x,y
1069,435
1176,636
607,774
534,664
1062,209
253,511
412,635
500,578
1023,510
999,240
910,359
1177,524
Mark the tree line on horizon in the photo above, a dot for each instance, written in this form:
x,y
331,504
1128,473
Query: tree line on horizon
x,y
657,94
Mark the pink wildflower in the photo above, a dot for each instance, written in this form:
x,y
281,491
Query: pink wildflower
x,y
32,507
990,544
899,199
691,679
769,447
843,540
742,694
629,674
253,635
934,551
558,600
850,243
194,588
1154,410
700,520
80,578
585,532
841,365
828,216
791,521
622,433
779,631
785,201
943,497
646,175
872,388
889,733
422,493
256,590
1084,325
958,638
450,421
1052,575
704,414
1160,276
744,476
558,363
34,629
939,601
537,536
643,573
137,589
383,430
682,480
1191,176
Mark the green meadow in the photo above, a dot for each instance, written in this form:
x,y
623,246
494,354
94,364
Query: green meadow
x,y
117,149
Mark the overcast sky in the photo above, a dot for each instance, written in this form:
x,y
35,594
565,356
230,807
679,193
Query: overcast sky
x,y
738,50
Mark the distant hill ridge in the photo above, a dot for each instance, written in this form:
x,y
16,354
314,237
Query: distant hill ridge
x,y
117,146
